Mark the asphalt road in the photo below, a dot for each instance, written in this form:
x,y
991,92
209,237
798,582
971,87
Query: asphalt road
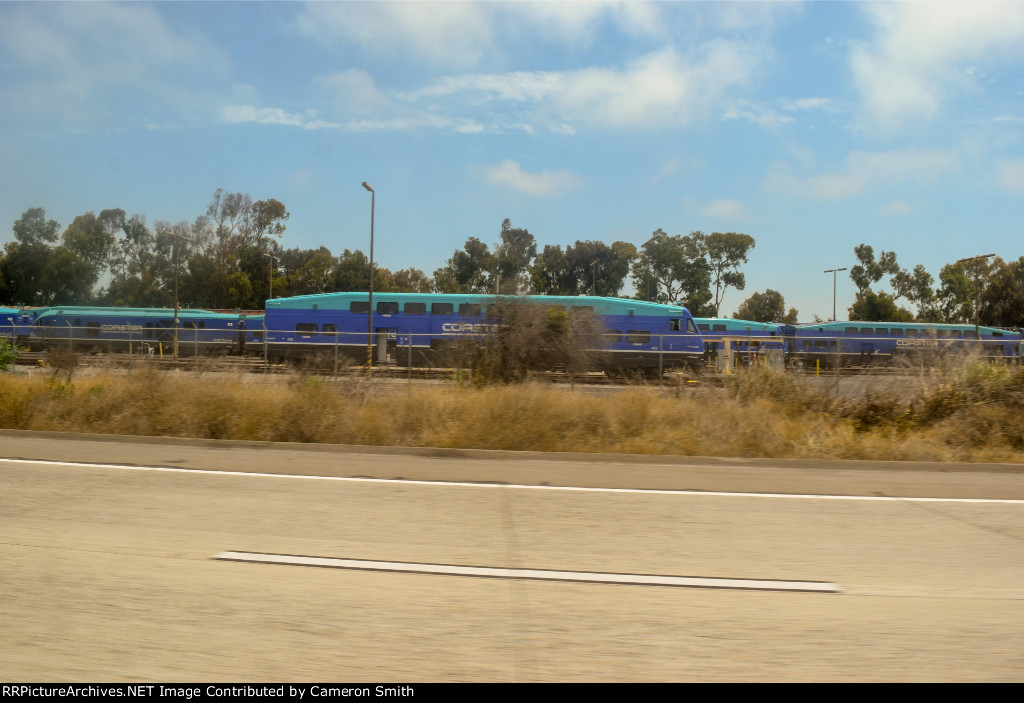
x,y
107,568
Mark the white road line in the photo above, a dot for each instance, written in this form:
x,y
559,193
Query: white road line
x,y
470,484
532,574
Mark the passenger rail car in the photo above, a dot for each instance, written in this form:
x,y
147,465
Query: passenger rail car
x,y
843,344
15,323
637,334
144,330
756,337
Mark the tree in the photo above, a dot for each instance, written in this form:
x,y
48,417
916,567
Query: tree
x,y
678,269
878,307
869,270
725,252
915,286
512,259
766,307
1002,302
963,284
552,272
24,260
466,271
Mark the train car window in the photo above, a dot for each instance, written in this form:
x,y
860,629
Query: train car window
x,y
415,308
866,330
896,331
305,329
387,308
807,345
703,327
469,309
940,333
718,328
851,330
954,333
441,308
911,333
690,327
638,336
674,325
881,330
820,343
330,328
93,329
359,306
613,336
832,344
189,325
971,334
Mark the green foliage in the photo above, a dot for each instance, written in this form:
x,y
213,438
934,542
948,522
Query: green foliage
x,y
678,269
8,353
878,308
766,307
870,271
725,252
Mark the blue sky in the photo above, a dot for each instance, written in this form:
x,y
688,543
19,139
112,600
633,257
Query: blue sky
x,y
813,127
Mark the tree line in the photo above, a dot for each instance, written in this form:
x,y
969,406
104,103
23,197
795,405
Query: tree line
x,y
983,289
231,256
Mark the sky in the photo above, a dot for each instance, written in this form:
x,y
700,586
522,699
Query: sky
x,y
813,127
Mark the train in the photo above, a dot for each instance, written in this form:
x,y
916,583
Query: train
x,y
420,328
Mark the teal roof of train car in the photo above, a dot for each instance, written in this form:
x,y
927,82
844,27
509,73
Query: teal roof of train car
x,y
734,325
162,313
841,326
602,306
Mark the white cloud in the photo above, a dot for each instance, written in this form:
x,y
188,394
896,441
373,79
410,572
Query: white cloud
x,y
462,34
354,92
923,53
77,60
661,88
724,207
864,171
897,207
510,175
236,114
1010,175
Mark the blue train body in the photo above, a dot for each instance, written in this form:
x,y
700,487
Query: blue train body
x,y
637,334
756,337
844,344
143,330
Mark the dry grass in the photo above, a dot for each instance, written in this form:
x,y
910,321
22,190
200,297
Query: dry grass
x,y
969,413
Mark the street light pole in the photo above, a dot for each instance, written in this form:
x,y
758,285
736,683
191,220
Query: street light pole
x,y
369,328
175,245
834,273
272,260
593,270
977,282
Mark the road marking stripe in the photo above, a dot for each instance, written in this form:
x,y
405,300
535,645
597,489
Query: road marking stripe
x,y
482,484
532,574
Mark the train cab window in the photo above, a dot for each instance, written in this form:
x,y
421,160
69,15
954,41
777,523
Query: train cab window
x,y
866,330
997,334
189,325
359,306
387,308
851,330
896,331
469,309
638,336
305,329
613,336
78,322
441,308
703,327
690,327
674,325
881,330
718,328
330,328
414,308
92,329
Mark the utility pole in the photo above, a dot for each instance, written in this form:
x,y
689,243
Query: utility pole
x,y
834,273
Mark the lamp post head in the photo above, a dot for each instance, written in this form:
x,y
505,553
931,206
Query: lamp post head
x,y
367,186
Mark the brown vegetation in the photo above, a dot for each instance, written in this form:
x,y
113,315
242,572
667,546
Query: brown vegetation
x,y
969,413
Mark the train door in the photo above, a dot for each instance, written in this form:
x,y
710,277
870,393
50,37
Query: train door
x,y
386,337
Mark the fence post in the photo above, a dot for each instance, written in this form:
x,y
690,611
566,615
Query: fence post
x,y
335,352
71,336
129,338
410,358
661,358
